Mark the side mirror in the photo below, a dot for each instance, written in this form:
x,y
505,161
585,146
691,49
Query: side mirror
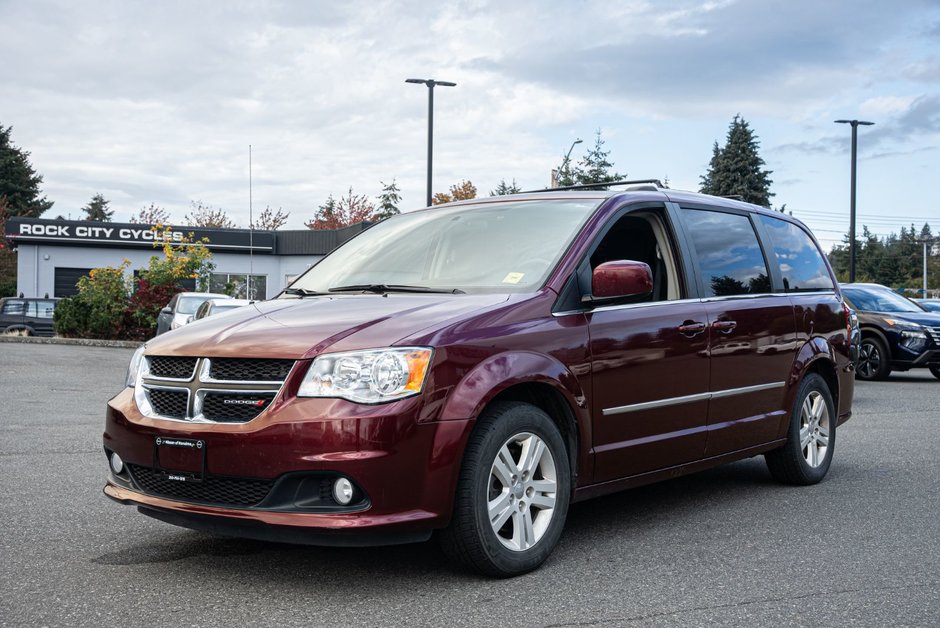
x,y
166,311
620,279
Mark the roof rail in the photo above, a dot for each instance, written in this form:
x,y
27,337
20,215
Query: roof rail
x,y
594,186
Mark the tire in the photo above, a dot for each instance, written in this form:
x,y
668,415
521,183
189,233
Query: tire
x,y
874,361
499,477
811,437
935,371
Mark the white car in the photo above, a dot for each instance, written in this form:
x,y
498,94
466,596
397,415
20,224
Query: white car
x,y
181,307
211,307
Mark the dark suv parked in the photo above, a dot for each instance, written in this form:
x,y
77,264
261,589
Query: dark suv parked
x,y
473,368
897,334
28,315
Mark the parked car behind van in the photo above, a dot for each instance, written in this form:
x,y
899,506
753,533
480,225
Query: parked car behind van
x,y
474,368
31,316
211,307
180,309
897,333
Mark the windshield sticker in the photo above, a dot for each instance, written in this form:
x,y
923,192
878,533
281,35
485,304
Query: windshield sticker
x,y
513,277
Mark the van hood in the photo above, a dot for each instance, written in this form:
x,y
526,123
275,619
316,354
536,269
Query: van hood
x,y
298,328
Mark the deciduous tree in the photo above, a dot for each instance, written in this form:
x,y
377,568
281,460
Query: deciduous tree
x,y
152,215
348,210
462,191
271,219
202,215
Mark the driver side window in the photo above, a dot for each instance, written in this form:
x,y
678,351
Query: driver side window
x,y
641,237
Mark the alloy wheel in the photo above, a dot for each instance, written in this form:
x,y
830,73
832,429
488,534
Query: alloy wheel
x,y
814,429
522,491
869,360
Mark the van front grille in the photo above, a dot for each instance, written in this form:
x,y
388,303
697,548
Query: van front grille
x,y
172,367
246,370
210,390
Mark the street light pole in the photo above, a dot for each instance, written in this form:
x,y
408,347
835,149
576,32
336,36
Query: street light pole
x,y
431,83
567,159
854,124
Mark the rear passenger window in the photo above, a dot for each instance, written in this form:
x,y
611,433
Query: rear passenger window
x,y
728,253
41,309
801,263
14,308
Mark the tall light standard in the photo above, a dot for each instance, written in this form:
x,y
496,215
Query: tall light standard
x,y
855,124
431,83
927,243
564,163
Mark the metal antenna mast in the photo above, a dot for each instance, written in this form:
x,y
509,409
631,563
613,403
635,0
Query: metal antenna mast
x,y
251,232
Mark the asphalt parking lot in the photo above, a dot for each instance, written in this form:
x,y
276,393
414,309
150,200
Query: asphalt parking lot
x,y
726,546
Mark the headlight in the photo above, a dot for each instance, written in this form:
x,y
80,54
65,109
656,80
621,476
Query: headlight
x,y
904,325
914,340
372,376
134,366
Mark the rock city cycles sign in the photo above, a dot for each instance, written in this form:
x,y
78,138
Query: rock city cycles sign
x,y
136,234
21,230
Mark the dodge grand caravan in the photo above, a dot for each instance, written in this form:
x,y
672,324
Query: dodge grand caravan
x,y
471,369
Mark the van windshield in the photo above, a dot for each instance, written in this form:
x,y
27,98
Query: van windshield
x,y
487,247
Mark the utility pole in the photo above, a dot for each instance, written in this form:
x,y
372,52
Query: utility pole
x,y
854,124
431,83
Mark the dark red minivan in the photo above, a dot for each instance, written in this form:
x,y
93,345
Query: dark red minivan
x,y
472,368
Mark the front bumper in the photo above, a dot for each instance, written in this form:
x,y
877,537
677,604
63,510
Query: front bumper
x,y
405,468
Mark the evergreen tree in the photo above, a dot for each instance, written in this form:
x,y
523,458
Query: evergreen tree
x,y
503,188
595,166
19,182
736,170
388,201
97,210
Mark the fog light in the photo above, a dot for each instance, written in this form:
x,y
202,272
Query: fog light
x,y
342,491
117,465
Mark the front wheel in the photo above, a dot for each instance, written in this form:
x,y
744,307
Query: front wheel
x,y
513,492
873,360
935,371
805,458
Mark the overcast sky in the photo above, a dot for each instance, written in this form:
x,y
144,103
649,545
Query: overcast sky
x,y
158,101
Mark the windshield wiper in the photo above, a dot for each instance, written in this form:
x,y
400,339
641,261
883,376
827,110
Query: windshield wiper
x,y
380,288
302,292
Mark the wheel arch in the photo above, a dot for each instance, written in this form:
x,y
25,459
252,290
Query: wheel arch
x,y
815,356
533,378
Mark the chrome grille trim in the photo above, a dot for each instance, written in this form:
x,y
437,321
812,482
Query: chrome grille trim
x,y
197,387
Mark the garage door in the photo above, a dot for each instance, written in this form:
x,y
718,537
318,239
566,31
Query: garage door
x,y
66,280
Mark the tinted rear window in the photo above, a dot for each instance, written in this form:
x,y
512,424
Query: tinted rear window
x,y
729,256
14,308
801,264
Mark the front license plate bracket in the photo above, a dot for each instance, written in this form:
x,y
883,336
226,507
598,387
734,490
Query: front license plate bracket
x,y
192,450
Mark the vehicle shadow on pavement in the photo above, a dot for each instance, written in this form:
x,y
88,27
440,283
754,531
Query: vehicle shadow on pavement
x,y
595,523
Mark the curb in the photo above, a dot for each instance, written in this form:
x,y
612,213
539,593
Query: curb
x,y
82,342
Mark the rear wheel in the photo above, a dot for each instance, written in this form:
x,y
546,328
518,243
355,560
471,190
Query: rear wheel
x,y
873,359
935,371
811,437
513,492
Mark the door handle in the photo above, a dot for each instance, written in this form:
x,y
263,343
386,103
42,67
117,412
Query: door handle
x,y
691,328
724,327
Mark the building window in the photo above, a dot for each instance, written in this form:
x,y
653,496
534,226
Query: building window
x,y
236,285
